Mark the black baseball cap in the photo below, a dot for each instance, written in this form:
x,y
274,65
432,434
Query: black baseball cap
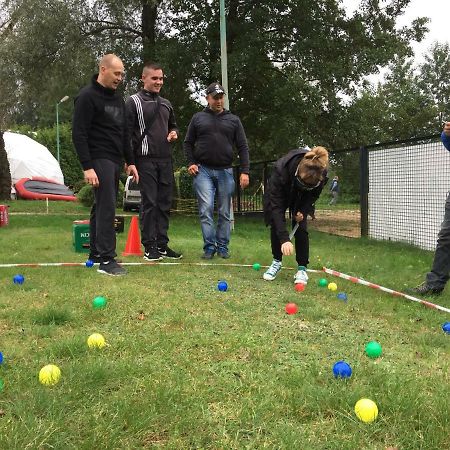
x,y
215,89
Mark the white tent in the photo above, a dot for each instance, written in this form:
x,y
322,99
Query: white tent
x,y
27,158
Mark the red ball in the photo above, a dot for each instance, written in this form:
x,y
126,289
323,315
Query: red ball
x,y
291,308
299,287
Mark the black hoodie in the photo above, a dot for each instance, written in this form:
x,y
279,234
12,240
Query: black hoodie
x,y
99,126
282,193
210,139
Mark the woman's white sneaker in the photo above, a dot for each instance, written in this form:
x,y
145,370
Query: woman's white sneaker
x,y
271,272
301,276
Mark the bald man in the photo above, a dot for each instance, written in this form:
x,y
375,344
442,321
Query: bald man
x,y
100,137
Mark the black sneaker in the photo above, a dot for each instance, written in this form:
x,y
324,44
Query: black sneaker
x,y
111,268
208,255
169,253
152,255
426,289
224,255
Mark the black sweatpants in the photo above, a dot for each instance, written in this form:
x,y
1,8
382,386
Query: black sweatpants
x,y
102,233
301,244
156,186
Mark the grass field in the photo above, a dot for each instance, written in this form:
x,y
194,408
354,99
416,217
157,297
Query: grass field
x,y
187,366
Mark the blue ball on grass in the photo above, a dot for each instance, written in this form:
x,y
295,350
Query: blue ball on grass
x,y
222,286
341,369
446,327
89,263
18,279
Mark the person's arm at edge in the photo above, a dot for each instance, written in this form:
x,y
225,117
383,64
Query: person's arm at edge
x,y
82,118
188,147
445,136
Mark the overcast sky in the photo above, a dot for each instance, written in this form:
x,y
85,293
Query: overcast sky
x,y
437,10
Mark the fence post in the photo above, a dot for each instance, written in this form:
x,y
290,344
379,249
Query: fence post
x,y
364,190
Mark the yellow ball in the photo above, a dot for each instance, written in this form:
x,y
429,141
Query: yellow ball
x,y
366,410
96,340
332,286
49,375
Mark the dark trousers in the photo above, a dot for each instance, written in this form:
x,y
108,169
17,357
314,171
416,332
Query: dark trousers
x,y
439,274
156,185
301,244
102,233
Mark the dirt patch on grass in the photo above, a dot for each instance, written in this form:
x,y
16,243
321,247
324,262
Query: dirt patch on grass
x,y
343,222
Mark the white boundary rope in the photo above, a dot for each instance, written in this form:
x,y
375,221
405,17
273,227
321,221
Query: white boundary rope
x,y
83,264
384,289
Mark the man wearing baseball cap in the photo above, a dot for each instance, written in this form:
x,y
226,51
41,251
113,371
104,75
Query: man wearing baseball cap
x,y
210,139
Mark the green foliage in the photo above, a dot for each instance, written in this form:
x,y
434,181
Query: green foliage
x,y
5,175
86,195
184,184
290,61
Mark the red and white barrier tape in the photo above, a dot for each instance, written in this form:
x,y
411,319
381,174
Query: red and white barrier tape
x,y
82,264
384,289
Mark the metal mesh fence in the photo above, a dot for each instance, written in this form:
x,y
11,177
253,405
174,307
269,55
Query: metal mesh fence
x,y
408,185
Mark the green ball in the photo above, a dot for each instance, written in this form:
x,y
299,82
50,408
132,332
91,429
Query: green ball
x,y
323,282
99,302
373,349
256,266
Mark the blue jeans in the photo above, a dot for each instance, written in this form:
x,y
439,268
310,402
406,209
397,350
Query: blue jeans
x,y
208,184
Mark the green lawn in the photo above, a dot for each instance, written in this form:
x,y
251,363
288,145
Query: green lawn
x,y
210,369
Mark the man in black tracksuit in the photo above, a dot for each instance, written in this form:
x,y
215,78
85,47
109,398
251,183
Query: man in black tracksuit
x,y
100,137
152,128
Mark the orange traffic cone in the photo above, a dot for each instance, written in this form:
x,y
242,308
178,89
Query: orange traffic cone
x,y
133,245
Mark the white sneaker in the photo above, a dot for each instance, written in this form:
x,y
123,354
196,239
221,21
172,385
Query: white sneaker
x,y
271,272
301,276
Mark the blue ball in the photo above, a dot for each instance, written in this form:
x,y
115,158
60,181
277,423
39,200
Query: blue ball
x,y
1,357
222,286
18,279
342,296
342,370
446,327
89,263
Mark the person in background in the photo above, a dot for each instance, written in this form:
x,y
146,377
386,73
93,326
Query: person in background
x,y
296,183
334,190
100,137
437,278
152,128
209,142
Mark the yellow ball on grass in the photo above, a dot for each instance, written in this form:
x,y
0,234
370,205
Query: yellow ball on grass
x,y
96,340
366,410
332,286
49,375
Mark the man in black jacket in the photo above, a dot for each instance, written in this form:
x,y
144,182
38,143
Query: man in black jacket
x,y
100,137
152,128
209,142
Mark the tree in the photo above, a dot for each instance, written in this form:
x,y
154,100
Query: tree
x,y
434,80
290,61
5,175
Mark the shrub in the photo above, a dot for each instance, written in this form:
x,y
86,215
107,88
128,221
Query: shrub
x,y
86,195
184,184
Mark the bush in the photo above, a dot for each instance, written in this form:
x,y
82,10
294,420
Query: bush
x,y
86,195
184,184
